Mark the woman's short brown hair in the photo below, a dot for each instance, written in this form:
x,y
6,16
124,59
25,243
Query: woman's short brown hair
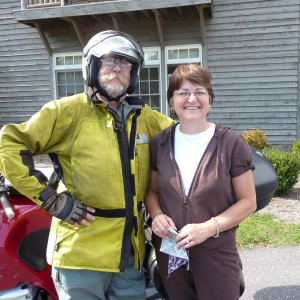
x,y
193,73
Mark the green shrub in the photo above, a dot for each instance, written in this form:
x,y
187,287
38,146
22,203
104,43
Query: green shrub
x,y
287,167
296,147
256,138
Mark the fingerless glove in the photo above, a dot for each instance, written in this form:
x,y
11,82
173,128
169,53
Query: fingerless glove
x,y
62,206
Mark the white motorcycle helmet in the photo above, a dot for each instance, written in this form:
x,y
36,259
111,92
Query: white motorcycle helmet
x,y
116,43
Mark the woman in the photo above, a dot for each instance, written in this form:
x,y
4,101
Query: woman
x,y
202,186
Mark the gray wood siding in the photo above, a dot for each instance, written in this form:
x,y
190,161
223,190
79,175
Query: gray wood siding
x,y
24,68
253,55
252,50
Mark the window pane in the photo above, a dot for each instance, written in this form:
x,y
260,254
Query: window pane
x,y
77,60
172,54
61,91
146,100
154,87
79,88
144,88
78,77
70,90
144,74
194,53
151,55
153,73
69,60
60,61
70,77
61,77
183,53
155,102
171,69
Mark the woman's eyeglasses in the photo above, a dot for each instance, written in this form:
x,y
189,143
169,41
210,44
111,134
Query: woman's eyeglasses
x,y
112,62
199,94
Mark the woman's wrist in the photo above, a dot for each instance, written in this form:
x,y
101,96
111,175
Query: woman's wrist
x,y
216,225
156,214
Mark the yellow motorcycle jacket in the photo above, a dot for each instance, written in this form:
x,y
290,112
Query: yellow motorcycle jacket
x,y
103,162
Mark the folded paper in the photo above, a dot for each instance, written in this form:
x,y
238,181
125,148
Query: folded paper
x,y
177,256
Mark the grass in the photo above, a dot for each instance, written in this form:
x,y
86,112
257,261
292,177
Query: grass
x,y
262,230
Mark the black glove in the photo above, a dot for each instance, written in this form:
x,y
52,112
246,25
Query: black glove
x,y
62,206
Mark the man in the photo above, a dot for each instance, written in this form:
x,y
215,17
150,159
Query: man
x,y
99,144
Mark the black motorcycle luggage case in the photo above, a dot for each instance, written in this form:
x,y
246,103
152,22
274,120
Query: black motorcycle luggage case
x,y
265,179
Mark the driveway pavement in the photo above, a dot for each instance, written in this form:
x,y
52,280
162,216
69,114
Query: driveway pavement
x,y
271,273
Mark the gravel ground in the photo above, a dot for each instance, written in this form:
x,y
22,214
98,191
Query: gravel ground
x,y
286,208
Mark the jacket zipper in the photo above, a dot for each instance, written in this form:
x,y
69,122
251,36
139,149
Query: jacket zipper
x,y
185,203
120,129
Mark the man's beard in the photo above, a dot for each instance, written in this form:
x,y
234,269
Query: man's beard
x,y
113,90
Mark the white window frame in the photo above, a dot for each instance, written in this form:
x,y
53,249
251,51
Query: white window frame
x,y
184,60
154,63
75,67
168,62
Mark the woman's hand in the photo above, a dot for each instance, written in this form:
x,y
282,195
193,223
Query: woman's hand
x,y
161,224
193,234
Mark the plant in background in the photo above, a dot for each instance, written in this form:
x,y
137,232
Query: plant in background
x,y
287,167
296,147
256,138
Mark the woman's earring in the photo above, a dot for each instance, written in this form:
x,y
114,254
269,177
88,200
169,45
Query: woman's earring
x,y
172,111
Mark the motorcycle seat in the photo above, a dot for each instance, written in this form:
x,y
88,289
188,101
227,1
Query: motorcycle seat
x,y
32,249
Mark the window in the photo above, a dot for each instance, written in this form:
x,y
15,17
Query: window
x,y
184,54
177,55
149,85
68,75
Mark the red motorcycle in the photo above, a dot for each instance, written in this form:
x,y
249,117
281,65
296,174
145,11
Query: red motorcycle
x,y
24,229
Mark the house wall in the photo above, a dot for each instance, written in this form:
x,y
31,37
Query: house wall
x,y
253,54
252,51
24,67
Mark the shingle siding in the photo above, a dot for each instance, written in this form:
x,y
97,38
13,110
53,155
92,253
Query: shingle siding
x,y
24,68
252,50
253,54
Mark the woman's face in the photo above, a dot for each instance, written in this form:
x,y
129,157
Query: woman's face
x,y
190,101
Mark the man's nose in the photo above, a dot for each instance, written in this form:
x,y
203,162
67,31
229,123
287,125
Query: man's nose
x,y
117,65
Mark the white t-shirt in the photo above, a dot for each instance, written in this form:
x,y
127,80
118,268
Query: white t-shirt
x,y
189,149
